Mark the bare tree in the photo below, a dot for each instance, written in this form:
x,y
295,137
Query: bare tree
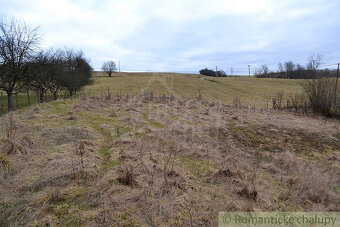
x,y
76,69
314,63
299,71
45,70
289,67
39,75
265,69
18,44
280,70
109,67
262,70
56,72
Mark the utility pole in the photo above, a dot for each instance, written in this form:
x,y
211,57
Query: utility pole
x,y
119,65
249,69
231,71
336,85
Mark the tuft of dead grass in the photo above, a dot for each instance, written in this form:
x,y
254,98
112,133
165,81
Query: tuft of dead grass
x,y
126,176
5,166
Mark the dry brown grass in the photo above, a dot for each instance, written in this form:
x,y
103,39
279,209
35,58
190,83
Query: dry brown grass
x,y
252,91
5,166
159,161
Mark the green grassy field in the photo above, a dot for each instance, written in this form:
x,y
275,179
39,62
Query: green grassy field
x,y
251,91
18,102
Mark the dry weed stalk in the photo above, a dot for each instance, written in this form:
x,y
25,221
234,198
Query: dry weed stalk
x,y
80,151
297,102
250,191
148,217
199,98
108,97
190,208
279,99
143,149
167,160
312,183
237,101
9,126
5,166
117,132
9,134
291,182
127,176
103,209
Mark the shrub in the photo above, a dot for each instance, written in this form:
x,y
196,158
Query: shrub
x,y
297,101
209,72
279,96
320,94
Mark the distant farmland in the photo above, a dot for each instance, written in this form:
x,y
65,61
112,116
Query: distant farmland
x,y
251,91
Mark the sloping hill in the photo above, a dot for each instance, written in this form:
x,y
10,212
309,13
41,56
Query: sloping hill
x,y
119,160
249,91
252,91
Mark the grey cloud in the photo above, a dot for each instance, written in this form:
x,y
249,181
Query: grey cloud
x,y
187,35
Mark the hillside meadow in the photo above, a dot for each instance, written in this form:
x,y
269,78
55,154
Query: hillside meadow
x,y
251,91
159,161
135,157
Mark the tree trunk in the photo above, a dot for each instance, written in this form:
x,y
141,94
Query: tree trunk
x,y
55,95
110,74
41,95
10,101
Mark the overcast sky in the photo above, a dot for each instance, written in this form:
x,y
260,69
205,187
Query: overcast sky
x,y
187,35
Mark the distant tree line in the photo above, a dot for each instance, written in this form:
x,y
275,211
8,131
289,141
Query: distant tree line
x,y
24,66
320,92
209,72
291,70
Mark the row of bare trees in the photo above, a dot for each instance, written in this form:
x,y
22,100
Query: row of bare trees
x,y
320,89
25,66
291,70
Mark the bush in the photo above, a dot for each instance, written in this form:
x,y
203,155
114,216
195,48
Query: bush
x,y
320,93
297,102
209,72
